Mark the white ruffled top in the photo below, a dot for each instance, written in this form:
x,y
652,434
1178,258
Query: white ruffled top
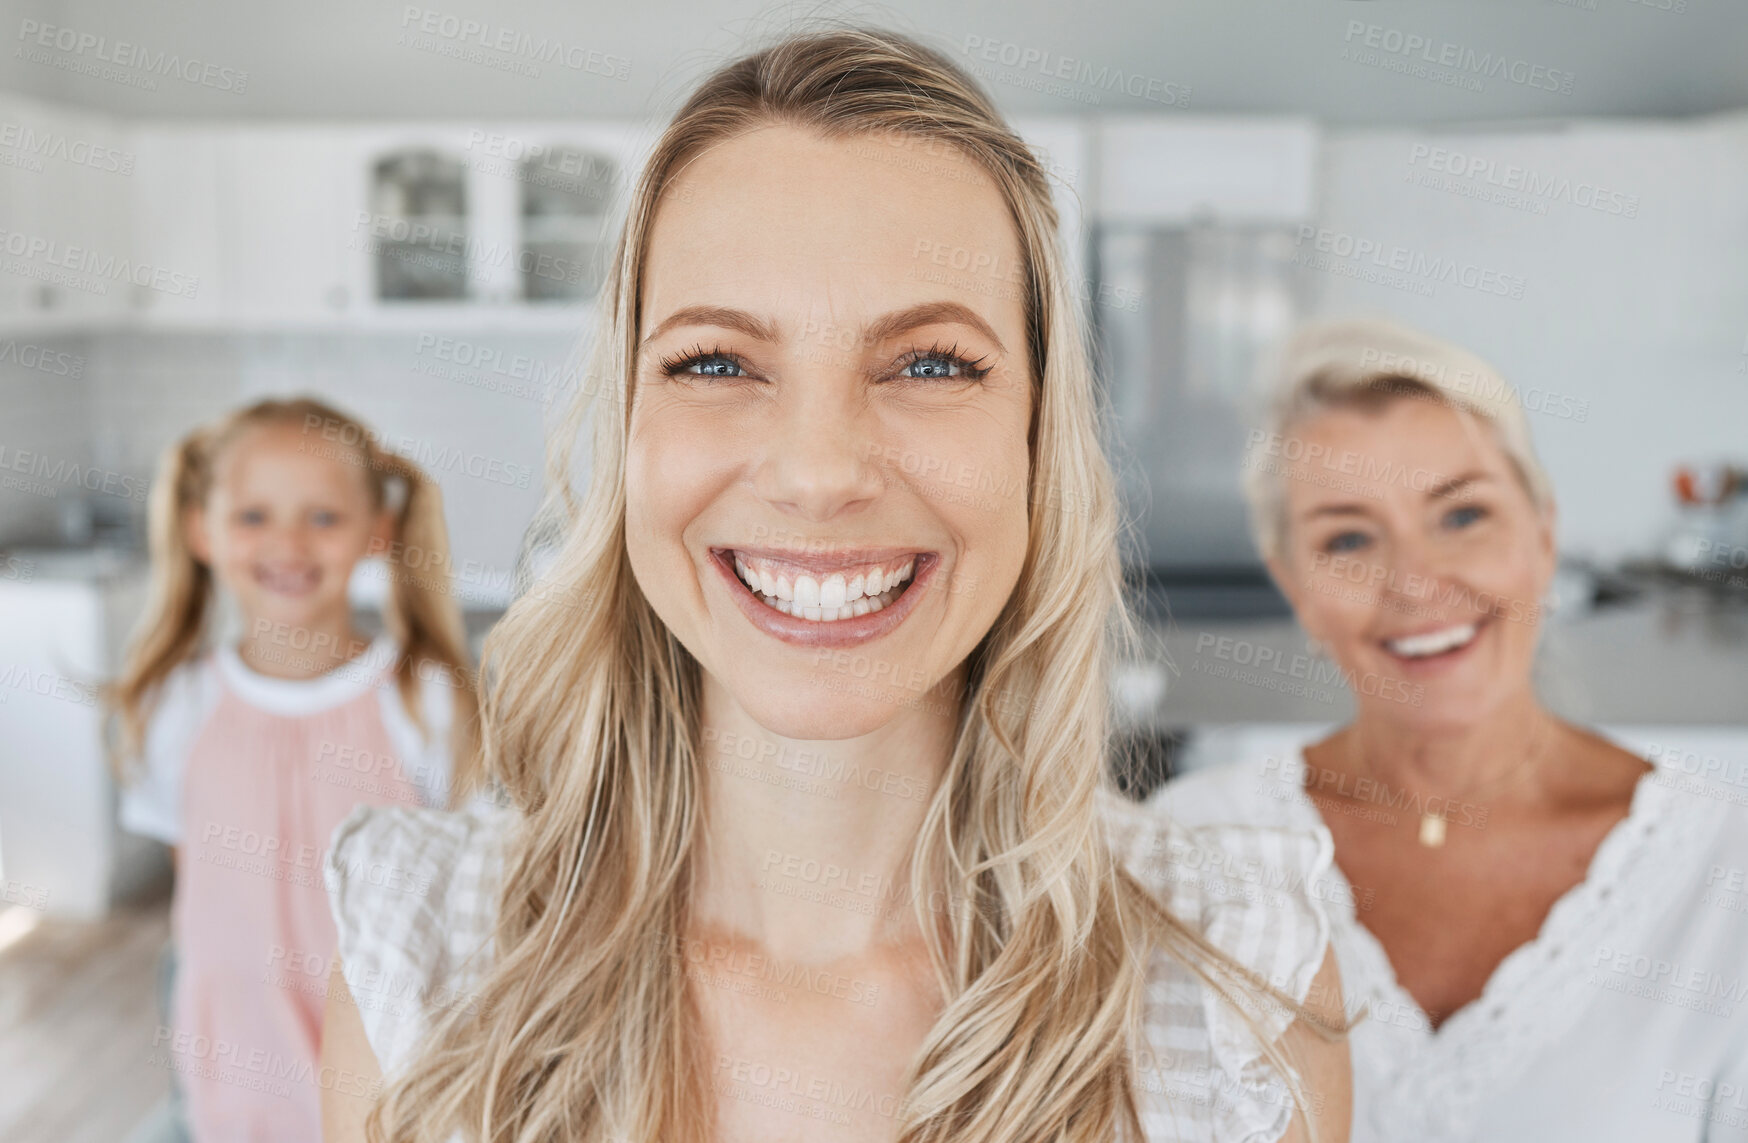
x,y
1624,1019
1201,1074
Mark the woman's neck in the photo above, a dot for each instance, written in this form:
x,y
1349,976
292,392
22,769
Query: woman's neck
x,y
1482,756
807,845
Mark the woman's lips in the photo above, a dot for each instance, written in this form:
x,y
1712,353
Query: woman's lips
x,y
1435,648
802,632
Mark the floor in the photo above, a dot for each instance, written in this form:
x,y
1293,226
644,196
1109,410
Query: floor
x,y
78,1009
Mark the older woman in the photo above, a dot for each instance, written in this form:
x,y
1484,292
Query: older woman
x,y
1543,927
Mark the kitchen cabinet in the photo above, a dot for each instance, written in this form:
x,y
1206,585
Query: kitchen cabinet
x,y
65,186
62,628
527,265
177,219
244,227
287,200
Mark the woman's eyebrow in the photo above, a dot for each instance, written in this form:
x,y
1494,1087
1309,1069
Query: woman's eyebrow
x,y
722,316
889,325
1455,485
930,313
1335,508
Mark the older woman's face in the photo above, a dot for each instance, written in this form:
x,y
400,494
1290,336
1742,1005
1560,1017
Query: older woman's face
x,y
832,397
1414,553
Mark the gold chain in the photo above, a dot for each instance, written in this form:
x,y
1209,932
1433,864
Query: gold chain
x,y
1432,826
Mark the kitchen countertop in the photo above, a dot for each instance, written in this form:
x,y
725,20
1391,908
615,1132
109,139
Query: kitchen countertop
x,y
85,563
1669,657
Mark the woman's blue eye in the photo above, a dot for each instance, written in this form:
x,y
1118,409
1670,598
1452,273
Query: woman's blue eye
x,y
1347,542
713,367
1463,517
924,367
324,519
251,516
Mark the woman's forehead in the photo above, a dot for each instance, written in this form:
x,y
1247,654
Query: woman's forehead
x,y
809,229
1407,443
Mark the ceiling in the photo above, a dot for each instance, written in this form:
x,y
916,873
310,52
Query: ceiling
x,y
351,60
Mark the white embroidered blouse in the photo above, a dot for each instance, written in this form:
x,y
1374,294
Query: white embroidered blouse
x,y
414,892
1624,1019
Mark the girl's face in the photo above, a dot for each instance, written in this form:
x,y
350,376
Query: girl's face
x,y
286,520
1416,555
832,398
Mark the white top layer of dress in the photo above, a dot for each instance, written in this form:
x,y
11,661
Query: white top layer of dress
x,y
409,956
1626,1018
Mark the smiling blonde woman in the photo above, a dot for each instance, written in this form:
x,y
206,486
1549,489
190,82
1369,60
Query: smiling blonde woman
x,y
809,830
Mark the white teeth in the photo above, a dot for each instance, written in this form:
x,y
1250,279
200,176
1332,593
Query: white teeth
x,y
283,580
1432,642
825,599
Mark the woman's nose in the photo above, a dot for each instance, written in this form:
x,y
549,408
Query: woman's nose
x,y
1414,572
820,460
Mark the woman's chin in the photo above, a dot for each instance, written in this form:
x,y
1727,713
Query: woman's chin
x,y
1439,710
827,709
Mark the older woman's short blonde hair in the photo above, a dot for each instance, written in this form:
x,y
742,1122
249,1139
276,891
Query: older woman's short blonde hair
x,y
1368,362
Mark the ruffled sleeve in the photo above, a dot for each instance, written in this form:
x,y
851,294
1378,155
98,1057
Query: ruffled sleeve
x,y
413,893
1253,893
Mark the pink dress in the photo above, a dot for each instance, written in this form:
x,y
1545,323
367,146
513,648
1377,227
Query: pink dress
x,y
261,795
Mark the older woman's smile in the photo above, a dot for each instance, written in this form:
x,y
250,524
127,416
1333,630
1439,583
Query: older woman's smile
x,y
1434,643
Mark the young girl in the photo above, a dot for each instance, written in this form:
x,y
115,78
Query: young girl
x,y
813,833
245,756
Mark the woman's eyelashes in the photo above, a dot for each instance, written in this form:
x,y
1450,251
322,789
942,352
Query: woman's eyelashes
x,y
1463,516
700,362
942,364
1456,519
1348,541
937,363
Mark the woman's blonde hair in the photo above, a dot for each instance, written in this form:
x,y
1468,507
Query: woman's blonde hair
x,y
1370,362
583,1031
422,613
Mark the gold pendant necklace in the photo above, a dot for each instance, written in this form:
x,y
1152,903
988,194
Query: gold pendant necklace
x,y
1433,826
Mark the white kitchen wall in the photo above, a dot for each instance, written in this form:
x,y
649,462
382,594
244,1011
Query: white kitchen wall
x,y
44,428
1631,326
1642,318
479,431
